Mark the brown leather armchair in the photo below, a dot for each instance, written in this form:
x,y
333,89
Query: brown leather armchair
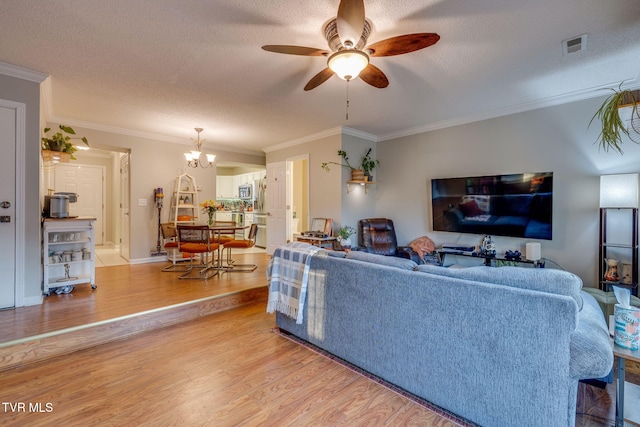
x,y
378,236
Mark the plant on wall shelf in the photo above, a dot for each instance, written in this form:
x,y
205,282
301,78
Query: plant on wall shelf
x,y
61,141
345,159
614,126
368,164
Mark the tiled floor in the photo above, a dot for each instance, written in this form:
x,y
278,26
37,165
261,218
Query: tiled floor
x,y
108,255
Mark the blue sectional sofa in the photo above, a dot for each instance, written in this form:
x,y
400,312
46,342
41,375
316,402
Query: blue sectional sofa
x,y
495,346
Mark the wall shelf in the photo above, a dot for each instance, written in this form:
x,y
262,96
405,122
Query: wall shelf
x,y
630,251
363,183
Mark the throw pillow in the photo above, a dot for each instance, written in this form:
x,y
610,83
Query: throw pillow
x,y
422,246
471,208
391,261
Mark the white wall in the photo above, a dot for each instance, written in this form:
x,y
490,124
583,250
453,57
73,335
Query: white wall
x,y
553,139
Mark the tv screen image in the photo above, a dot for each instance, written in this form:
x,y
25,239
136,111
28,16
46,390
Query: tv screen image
x,y
514,205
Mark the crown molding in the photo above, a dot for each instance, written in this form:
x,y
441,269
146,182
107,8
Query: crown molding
x,y
22,73
515,109
324,134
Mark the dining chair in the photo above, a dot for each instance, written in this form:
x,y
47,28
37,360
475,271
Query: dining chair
x,y
247,243
194,239
223,236
170,244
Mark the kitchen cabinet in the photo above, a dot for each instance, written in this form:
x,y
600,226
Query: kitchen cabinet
x,y
224,187
68,254
224,216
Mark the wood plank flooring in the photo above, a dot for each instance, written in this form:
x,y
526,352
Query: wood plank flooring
x,y
223,369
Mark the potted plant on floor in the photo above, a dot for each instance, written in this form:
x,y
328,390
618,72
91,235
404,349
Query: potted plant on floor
x,y
614,126
344,236
60,142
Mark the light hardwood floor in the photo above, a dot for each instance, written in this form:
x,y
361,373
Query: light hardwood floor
x,y
223,369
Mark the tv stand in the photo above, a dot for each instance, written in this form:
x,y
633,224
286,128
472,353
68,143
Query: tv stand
x,y
488,260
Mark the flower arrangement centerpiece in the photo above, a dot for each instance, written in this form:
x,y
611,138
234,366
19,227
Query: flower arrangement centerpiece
x,y
344,236
209,207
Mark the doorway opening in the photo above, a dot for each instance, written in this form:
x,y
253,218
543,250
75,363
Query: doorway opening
x,y
298,195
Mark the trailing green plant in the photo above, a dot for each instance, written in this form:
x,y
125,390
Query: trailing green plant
x,y
345,159
613,127
61,140
367,163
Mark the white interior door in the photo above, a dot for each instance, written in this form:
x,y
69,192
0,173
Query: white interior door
x,y
276,205
8,142
124,206
88,182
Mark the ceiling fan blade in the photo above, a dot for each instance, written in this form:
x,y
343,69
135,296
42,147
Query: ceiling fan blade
x,y
350,22
403,44
295,50
319,78
374,76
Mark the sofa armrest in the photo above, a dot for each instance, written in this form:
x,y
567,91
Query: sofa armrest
x,y
591,355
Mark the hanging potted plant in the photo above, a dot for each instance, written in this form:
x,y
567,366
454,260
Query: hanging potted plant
x,y
368,164
60,142
614,126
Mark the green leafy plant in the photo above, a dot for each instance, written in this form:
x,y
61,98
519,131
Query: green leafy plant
x,y
346,232
613,127
61,140
368,164
345,159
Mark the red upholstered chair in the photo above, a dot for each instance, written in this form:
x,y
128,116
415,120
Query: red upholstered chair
x,y
194,239
170,244
249,242
224,236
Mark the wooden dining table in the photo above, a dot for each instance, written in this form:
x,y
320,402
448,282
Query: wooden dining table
x,y
217,230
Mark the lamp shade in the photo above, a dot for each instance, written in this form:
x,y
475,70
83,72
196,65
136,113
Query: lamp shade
x,y
347,64
619,191
533,251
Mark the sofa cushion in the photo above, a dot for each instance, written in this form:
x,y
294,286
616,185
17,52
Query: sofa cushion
x,y
537,279
403,263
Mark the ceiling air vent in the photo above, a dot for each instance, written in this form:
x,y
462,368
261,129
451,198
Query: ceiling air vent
x,y
575,44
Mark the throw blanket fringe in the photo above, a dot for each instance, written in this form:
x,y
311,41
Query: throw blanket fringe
x,y
288,275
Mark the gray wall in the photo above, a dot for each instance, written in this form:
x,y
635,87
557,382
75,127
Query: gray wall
x,y
28,93
553,139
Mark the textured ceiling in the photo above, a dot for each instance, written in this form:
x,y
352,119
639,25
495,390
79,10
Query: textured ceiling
x,y
163,67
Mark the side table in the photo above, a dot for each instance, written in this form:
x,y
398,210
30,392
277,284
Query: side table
x,y
627,394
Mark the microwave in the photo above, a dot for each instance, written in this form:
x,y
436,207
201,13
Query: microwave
x,y
245,191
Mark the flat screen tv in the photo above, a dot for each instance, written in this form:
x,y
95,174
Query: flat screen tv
x,y
515,205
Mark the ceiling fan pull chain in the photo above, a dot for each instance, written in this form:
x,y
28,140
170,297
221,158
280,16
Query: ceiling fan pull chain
x,y
347,108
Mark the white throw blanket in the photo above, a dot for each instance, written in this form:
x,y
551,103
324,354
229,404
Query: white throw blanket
x,y
288,274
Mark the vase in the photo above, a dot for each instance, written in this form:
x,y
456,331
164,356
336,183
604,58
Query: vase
x,y
210,218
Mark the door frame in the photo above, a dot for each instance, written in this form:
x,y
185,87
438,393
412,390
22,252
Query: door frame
x,y
290,161
19,190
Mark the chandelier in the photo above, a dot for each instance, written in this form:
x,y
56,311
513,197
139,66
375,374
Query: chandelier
x,y
193,157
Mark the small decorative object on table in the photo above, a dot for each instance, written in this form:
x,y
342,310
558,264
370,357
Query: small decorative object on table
x,y
513,255
487,247
344,236
209,207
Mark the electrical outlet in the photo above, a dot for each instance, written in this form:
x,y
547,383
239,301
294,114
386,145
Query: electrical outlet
x,y
142,202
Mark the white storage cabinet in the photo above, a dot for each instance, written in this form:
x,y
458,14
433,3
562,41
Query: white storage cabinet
x,y
68,254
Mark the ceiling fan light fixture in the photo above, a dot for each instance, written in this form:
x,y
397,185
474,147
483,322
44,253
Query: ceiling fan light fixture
x,y
348,63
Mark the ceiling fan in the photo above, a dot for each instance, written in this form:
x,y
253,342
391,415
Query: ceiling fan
x,y
347,36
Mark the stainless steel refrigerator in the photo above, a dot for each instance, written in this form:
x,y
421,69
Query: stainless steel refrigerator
x,y
260,212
